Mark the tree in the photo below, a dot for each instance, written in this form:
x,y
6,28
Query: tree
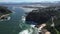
x,y
43,15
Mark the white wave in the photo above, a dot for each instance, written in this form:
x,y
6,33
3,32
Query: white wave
x,y
27,31
32,26
24,32
23,19
30,31
8,18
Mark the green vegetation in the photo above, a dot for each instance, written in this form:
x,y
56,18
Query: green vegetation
x,y
48,13
4,10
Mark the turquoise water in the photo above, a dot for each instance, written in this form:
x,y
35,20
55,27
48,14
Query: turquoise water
x,y
12,26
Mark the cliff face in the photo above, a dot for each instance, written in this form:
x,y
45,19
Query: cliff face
x,y
4,12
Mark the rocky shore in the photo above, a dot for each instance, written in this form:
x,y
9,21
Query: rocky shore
x,y
4,12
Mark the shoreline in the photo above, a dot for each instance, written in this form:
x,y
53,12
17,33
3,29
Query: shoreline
x,y
4,15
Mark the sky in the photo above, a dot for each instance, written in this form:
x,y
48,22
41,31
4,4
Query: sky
x,y
18,1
